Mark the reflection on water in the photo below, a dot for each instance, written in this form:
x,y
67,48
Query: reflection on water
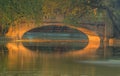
x,y
29,59
51,47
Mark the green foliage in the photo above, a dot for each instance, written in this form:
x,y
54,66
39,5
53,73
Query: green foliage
x,y
12,10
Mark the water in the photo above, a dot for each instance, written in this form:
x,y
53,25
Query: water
x,y
53,36
58,59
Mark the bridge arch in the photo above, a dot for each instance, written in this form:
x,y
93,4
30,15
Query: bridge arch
x,y
22,27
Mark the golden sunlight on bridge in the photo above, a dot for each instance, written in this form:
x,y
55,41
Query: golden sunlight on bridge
x,y
21,27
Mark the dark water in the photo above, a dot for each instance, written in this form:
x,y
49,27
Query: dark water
x,y
58,59
55,36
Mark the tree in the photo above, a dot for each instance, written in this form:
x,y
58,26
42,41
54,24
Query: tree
x,y
112,10
12,10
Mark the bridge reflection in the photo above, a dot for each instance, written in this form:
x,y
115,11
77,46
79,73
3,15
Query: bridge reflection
x,y
23,61
19,51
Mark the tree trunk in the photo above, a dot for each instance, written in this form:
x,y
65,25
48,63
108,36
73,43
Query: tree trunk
x,y
116,27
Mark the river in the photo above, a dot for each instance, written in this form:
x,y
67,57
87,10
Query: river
x,y
58,59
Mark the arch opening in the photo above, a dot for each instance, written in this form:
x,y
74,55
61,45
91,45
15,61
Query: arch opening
x,y
55,32
55,38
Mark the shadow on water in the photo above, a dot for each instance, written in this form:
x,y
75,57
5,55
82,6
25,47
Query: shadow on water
x,y
52,47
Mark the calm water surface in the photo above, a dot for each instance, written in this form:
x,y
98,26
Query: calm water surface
x,y
58,59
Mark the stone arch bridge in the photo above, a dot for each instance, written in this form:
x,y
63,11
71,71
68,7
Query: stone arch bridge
x,y
19,28
94,31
